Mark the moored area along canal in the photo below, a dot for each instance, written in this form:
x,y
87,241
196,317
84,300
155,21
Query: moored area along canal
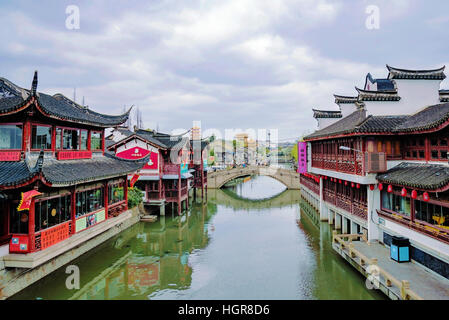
x,y
252,241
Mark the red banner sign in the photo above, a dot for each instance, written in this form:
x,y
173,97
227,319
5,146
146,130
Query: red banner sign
x,y
70,155
10,156
25,203
134,179
133,153
152,164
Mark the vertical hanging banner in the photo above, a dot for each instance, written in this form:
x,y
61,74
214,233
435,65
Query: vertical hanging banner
x,y
134,180
25,202
302,157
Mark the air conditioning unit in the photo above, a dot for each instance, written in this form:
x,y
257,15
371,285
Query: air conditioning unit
x,y
375,162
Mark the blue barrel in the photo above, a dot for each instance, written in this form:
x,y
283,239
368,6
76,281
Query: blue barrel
x,y
400,249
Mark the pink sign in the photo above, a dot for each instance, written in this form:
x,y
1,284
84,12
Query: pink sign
x,y
135,153
153,162
302,157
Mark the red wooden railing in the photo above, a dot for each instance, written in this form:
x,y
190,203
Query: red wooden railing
x,y
310,184
171,168
350,163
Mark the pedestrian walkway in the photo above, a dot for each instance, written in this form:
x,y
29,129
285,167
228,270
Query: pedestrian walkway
x,y
397,280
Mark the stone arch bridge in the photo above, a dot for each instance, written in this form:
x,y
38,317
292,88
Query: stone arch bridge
x,y
217,179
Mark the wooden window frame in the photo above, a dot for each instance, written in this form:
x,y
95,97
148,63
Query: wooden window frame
x,y
23,138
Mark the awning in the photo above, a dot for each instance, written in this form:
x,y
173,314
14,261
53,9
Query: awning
x,y
431,177
149,178
186,175
170,176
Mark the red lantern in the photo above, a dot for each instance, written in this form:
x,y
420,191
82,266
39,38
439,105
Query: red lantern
x,y
414,194
325,177
346,183
404,192
358,186
352,184
380,186
371,187
425,196
390,188
339,181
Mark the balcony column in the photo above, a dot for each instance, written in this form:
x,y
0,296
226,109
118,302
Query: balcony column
x,y
323,208
373,199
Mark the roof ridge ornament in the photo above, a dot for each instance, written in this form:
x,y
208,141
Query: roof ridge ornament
x,y
34,84
40,162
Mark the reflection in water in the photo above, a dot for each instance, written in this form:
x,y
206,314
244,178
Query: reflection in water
x,y
231,248
259,187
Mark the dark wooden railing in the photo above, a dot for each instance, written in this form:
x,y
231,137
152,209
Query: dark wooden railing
x,y
358,163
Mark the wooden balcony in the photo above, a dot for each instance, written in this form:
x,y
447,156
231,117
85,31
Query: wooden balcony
x,y
171,168
358,164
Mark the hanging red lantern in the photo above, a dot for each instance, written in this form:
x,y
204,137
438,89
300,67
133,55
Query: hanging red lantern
x,y
371,187
325,177
404,192
414,194
339,181
358,186
390,188
346,183
352,184
380,186
425,196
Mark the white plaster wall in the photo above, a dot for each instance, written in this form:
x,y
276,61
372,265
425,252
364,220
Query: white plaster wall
x,y
415,95
325,122
419,240
347,108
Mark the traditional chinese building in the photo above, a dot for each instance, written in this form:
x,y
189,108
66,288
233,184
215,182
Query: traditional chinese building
x,y
56,181
382,169
165,178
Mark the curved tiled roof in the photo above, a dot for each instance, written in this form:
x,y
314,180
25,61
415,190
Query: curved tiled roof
x,y
417,175
71,172
444,95
14,173
426,119
380,123
345,99
342,126
12,98
433,74
68,172
365,95
326,114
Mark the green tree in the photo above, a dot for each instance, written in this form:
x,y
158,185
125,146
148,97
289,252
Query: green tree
x,y
294,152
135,197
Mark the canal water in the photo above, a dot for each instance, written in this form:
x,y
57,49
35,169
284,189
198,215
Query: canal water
x,y
253,241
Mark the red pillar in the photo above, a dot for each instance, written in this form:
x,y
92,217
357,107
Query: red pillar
x,y
73,205
106,199
126,193
31,226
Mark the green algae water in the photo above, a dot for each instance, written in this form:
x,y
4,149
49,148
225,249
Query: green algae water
x,y
253,241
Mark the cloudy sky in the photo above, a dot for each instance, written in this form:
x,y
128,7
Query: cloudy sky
x,y
228,63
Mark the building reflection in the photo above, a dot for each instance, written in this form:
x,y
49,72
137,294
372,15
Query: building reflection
x,y
145,258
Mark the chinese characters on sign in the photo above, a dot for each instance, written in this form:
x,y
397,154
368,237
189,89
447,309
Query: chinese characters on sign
x,y
302,157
